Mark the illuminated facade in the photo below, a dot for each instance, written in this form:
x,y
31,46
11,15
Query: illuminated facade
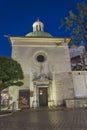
x,y
48,77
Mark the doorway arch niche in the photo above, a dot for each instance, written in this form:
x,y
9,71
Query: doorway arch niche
x,y
43,96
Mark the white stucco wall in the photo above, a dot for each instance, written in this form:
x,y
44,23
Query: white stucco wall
x,y
80,83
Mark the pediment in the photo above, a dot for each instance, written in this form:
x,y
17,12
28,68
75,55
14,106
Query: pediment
x,y
42,78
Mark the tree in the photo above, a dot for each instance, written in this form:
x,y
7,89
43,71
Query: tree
x,y
10,74
77,23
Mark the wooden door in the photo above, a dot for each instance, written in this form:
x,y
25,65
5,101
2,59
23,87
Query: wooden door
x,y
43,97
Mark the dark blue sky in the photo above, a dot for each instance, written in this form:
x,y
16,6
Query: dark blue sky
x,y
17,17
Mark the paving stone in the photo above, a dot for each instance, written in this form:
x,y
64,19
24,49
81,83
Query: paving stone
x,y
70,119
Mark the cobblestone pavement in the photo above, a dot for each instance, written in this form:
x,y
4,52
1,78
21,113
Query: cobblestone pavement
x,y
67,119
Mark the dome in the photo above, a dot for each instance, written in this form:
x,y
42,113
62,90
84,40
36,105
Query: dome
x,y
38,30
39,34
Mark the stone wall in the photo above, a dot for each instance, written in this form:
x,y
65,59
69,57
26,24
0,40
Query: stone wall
x,y
26,82
57,58
76,103
57,63
64,87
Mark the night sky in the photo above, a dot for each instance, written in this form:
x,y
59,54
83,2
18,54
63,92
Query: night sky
x,y
17,17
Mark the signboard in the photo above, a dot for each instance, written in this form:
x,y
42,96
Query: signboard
x,y
24,98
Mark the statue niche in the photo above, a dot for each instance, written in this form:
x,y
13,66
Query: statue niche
x,y
40,74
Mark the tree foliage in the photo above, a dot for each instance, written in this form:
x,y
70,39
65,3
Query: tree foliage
x,y
10,73
77,22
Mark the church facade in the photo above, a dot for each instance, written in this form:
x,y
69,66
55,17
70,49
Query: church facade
x,y
48,76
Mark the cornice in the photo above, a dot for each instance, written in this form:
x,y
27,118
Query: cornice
x,y
27,41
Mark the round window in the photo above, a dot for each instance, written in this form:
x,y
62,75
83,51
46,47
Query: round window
x,y
40,58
